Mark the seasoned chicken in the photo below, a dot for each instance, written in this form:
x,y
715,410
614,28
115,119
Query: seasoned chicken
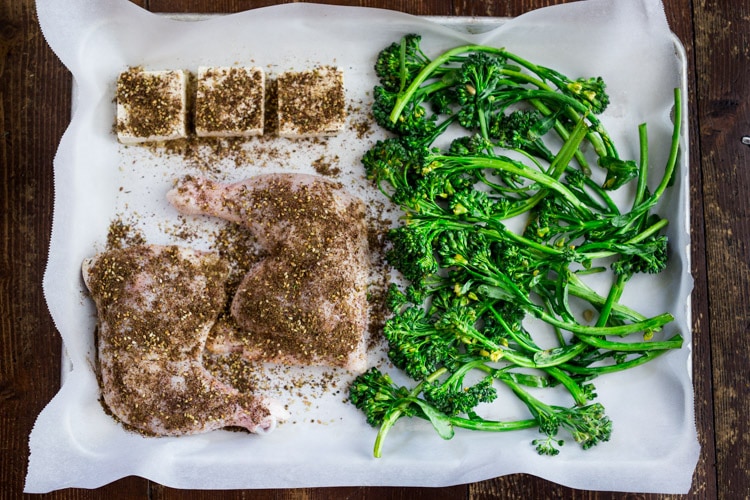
x,y
156,306
306,302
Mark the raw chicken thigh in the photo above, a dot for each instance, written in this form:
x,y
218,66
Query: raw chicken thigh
x,y
306,302
156,306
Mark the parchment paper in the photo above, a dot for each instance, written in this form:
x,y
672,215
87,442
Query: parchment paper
x,y
75,444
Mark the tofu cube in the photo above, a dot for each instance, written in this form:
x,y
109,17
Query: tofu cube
x,y
229,101
151,106
311,103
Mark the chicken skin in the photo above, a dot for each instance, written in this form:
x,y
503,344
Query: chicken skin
x,y
306,302
156,306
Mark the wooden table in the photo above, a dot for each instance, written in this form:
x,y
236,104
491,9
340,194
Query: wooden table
x,y
35,92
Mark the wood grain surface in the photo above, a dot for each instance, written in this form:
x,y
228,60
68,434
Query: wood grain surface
x,y
35,93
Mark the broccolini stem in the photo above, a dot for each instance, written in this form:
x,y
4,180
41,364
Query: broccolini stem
x,y
564,134
500,233
654,228
613,297
536,406
559,355
576,111
526,344
611,207
434,87
643,167
525,77
603,144
589,371
511,167
578,288
397,411
480,424
650,324
579,396
675,146
674,342
556,168
672,160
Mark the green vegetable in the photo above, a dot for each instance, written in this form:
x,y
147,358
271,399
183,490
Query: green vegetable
x,y
457,328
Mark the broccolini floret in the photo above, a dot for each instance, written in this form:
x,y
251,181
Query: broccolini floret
x,y
398,63
416,345
588,425
522,130
452,397
414,120
375,393
592,90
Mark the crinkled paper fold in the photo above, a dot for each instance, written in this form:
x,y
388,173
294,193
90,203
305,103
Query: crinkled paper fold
x,y
74,443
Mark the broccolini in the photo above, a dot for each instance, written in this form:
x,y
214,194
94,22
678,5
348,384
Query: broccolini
x,y
527,141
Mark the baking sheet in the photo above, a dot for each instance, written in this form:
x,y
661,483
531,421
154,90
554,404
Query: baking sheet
x,y
328,443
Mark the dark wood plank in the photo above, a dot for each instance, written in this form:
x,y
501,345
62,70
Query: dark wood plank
x,y
349,493
158,492
129,488
723,86
704,481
